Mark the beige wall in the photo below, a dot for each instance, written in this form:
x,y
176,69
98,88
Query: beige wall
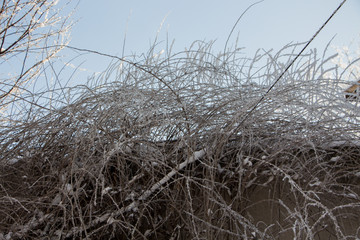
x,y
264,208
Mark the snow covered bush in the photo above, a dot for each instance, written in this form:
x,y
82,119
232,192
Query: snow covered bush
x,y
170,147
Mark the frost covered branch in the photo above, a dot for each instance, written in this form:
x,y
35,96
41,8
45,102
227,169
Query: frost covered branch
x,y
133,156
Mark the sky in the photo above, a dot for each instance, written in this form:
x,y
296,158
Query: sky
x,y
270,24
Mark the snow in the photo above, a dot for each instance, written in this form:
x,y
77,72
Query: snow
x,y
57,200
315,183
220,169
13,161
69,189
335,159
351,195
341,143
110,220
131,196
247,162
105,190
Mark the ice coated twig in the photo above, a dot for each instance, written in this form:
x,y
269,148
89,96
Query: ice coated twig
x,y
165,179
156,186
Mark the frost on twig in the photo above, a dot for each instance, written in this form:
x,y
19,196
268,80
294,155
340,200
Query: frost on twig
x,y
161,149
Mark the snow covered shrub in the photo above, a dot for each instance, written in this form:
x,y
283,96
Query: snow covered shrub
x,y
171,147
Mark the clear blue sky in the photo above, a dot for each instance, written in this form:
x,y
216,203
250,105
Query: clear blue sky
x,y
102,25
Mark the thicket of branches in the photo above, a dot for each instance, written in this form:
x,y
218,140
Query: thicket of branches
x,y
164,147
